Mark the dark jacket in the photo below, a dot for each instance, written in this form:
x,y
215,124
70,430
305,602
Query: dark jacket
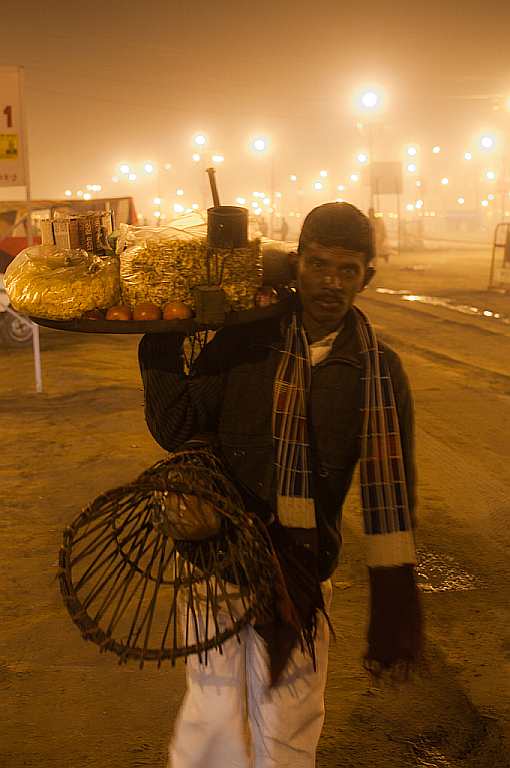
x,y
231,394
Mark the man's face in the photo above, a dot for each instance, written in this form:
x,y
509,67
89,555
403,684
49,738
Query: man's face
x,y
328,279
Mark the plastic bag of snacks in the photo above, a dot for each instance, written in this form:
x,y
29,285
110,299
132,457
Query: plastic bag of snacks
x,y
165,264
49,282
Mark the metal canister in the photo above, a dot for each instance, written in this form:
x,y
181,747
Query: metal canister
x,y
227,227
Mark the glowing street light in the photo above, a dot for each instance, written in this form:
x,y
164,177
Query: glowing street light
x,y
124,168
436,150
468,156
341,187
490,175
167,166
354,177
259,144
461,200
412,168
412,151
87,196
200,140
157,214
317,185
370,99
490,197
217,158
241,200
362,158
196,157
485,203
157,201
195,206
292,177
148,167
179,192
132,176
487,142
409,207
115,179
418,204
68,193
323,174
445,181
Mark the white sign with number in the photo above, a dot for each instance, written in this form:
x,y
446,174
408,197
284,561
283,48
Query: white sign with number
x,y
12,161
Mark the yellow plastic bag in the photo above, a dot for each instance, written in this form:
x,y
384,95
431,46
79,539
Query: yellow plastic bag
x,y
49,282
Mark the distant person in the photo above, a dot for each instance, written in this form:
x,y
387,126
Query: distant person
x,y
379,229
284,229
295,401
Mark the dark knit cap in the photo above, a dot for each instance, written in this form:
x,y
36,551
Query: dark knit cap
x,y
338,224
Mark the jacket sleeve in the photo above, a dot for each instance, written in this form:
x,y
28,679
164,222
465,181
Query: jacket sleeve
x,y
178,406
405,411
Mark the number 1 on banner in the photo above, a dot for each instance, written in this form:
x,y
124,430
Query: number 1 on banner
x,y
8,114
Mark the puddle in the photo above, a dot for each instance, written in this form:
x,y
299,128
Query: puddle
x,y
437,301
441,573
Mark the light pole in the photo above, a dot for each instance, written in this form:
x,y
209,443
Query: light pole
x,y
369,103
260,145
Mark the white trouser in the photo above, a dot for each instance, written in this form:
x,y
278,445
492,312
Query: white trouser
x,y
230,718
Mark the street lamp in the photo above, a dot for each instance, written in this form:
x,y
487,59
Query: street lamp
x,y
260,145
370,103
487,142
200,140
370,99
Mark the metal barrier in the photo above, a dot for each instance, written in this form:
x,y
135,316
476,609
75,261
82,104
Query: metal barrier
x,y
499,278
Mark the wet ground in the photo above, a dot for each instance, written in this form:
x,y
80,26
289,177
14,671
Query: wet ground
x,y
67,706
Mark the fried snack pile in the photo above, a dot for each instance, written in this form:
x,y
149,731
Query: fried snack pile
x,y
162,270
167,269
49,282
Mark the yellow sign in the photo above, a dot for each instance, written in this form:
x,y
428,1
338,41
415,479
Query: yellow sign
x,y
8,146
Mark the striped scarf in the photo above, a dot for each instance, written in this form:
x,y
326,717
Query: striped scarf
x,y
387,520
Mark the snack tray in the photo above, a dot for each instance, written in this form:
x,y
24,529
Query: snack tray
x,y
187,327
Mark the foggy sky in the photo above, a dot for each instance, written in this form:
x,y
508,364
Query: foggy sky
x,y
108,82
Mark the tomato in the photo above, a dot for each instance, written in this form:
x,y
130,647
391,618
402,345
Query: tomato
x,y
176,310
120,312
146,311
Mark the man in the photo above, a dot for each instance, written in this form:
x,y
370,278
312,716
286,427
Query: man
x,y
295,401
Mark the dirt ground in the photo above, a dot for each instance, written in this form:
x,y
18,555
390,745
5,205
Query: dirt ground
x,y
64,705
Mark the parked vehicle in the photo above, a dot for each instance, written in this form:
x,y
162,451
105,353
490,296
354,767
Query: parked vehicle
x,y
15,329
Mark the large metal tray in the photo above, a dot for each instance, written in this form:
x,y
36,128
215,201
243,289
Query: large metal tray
x,y
186,327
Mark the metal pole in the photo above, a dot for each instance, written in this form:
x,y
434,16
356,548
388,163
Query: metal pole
x,y
273,202
371,156
30,238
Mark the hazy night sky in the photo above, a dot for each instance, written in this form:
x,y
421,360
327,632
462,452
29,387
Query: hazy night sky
x,y
133,81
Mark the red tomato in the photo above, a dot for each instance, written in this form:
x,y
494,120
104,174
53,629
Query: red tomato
x,y
121,312
146,311
176,310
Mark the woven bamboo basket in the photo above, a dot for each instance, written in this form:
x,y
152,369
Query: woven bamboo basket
x,y
136,591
